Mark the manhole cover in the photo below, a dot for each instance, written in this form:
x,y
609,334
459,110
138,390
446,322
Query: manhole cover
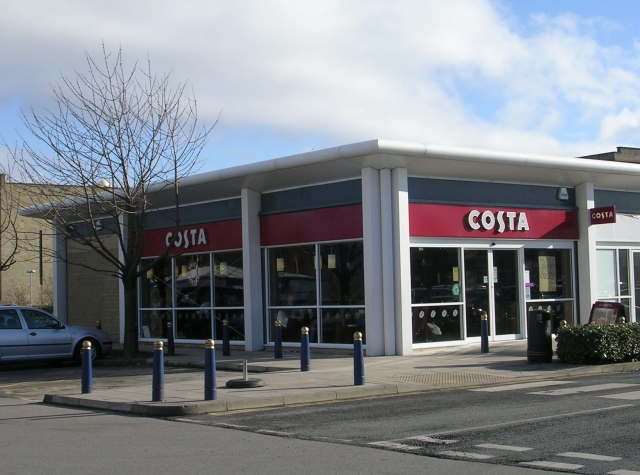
x,y
446,379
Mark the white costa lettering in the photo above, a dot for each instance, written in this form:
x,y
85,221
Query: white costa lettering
x,y
187,238
471,219
488,220
602,215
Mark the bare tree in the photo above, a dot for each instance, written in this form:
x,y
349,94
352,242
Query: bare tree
x,y
115,137
9,237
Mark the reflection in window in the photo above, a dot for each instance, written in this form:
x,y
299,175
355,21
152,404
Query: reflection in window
x,y
155,286
297,273
196,305
435,275
436,323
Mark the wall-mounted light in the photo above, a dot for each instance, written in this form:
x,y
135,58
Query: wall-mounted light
x,y
563,194
280,264
331,261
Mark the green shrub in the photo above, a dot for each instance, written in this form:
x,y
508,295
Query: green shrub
x,y
598,344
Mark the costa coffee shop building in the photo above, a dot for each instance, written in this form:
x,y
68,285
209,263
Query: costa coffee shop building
x,y
405,242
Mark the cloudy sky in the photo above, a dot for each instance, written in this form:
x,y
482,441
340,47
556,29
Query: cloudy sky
x,y
558,77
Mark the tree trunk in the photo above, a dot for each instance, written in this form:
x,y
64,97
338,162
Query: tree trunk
x,y
130,318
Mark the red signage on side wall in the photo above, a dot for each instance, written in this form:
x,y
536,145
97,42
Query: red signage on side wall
x,y
433,220
196,238
326,224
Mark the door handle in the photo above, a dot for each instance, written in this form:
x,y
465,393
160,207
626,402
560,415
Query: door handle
x,y
33,334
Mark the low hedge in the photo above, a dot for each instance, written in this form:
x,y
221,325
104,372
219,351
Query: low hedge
x,y
598,344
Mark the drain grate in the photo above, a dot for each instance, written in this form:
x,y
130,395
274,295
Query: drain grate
x,y
447,379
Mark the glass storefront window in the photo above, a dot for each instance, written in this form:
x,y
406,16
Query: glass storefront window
x,y
153,323
437,323
292,275
193,324
342,274
182,286
339,324
435,275
193,281
548,274
299,274
228,283
606,264
156,286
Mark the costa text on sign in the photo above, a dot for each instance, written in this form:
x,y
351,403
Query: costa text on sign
x,y
603,215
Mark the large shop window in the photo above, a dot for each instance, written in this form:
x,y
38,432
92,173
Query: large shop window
x,y
549,283
318,286
613,278
435,295
196,293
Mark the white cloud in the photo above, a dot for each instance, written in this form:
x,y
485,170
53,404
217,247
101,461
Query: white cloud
x,y
455,72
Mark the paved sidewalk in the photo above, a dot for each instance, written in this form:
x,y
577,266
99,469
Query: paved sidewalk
x,y
330,378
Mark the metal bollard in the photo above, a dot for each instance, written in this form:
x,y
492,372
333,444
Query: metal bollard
x,y
87,372
277,350
484,333
99,325
210,390
171,343
226,349
157,384
305,354
358,360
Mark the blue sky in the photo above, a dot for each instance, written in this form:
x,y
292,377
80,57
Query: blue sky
x,y
557,77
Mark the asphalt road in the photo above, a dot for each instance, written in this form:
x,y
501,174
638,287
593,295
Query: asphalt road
x,y
587,424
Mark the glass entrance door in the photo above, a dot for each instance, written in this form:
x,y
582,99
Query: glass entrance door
x,y
491,285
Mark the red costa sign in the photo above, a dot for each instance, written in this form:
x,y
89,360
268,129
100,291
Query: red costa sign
x,y
603,215
431,220
197,238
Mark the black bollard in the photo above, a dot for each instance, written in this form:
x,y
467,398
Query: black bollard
x,y
171,343
277,350
484,333
305,354
87,372
210,390
157,384
226,349
358,360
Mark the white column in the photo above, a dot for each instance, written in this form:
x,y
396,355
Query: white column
x,y
402,261
388,280
372,248
60,308
252,271
587,262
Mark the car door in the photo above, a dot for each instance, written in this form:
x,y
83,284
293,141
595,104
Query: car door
x,y
48,338
14,343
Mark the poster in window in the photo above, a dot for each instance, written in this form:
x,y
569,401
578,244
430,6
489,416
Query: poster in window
x,y
547,273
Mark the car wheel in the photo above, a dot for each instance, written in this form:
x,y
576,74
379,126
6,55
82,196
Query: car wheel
x,y
95,350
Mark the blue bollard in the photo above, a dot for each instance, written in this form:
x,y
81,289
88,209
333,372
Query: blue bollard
x,y
358,360
210,390
277,350
226,349
484,333
171,348
305,354
87,372
157,384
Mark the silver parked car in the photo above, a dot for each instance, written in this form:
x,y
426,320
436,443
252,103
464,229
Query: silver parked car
x,y
28,334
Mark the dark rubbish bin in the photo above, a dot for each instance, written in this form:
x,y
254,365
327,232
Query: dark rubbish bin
x,y
539,348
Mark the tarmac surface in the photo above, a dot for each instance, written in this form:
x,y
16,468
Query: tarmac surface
x,y
330,378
